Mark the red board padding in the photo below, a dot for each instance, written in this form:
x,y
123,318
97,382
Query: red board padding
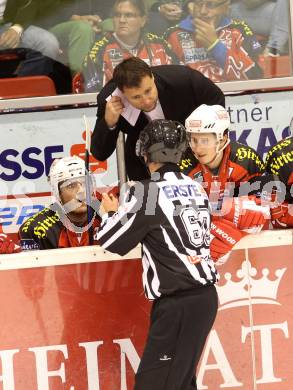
x,y
21,87
279,66
83,327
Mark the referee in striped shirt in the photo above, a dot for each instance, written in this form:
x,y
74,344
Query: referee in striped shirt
x,y
169,214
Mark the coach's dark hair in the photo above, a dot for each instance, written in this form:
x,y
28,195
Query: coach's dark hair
x,y
130,72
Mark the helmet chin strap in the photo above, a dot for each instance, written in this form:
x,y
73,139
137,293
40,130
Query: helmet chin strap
x,y
218,151
223,147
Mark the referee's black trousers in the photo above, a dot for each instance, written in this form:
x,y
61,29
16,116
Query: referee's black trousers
x,y
179,326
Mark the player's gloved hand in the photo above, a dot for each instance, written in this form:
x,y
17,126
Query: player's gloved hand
x,y
248,214
7,246
224,235
282,216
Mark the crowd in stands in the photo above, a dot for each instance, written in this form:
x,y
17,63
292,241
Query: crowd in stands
x,y
86,39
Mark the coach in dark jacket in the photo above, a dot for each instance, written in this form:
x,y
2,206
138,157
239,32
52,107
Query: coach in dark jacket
x,y
167,91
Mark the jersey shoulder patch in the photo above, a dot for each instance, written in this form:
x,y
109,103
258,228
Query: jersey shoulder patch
x,y
246,157
39,224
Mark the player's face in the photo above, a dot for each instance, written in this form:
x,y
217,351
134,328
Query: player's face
x,y
73,196
145,96
204,147
210,11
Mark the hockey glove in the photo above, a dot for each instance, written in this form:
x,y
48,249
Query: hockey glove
x,y
246,213
7,246
282,216
224,235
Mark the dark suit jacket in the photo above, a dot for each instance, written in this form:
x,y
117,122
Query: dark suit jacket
x,y
181,90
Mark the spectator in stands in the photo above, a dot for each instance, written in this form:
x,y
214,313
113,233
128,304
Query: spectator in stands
x,y
76,25
209,41
165,14
157,92
212,159
127,40
16,29
274,15
65,223
53,24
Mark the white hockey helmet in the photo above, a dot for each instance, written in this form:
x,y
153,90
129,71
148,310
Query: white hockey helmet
x,y
208,119
65,168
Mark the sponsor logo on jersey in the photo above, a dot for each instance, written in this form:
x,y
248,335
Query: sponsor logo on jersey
x,y
224,235
279,146
244,153
115,54
278,162
194,55
28,244
198,177
43,225
165,358
185,190
185,163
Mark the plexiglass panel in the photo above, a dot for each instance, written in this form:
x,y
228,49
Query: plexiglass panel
x,y
77,44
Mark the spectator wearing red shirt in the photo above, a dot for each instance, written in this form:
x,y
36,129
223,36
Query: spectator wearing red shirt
x,y
209,41
127,40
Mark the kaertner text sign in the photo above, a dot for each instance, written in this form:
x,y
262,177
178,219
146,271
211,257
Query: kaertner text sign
x,y
260,120
83,326
34,139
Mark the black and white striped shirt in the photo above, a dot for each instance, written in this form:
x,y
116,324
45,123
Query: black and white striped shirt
x,y
169,214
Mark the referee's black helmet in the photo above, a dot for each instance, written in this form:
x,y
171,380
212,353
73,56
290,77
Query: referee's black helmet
x,y
162,141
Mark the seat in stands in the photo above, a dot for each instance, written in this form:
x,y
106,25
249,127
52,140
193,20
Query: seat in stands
x,y
22,87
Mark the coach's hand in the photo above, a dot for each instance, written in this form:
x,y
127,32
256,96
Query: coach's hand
x,y
114,108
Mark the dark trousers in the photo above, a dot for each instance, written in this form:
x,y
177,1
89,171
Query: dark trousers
x,y
179,326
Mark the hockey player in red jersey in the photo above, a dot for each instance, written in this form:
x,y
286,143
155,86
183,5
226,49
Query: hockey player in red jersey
x,y
65,223
221,165
128,39
279,162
